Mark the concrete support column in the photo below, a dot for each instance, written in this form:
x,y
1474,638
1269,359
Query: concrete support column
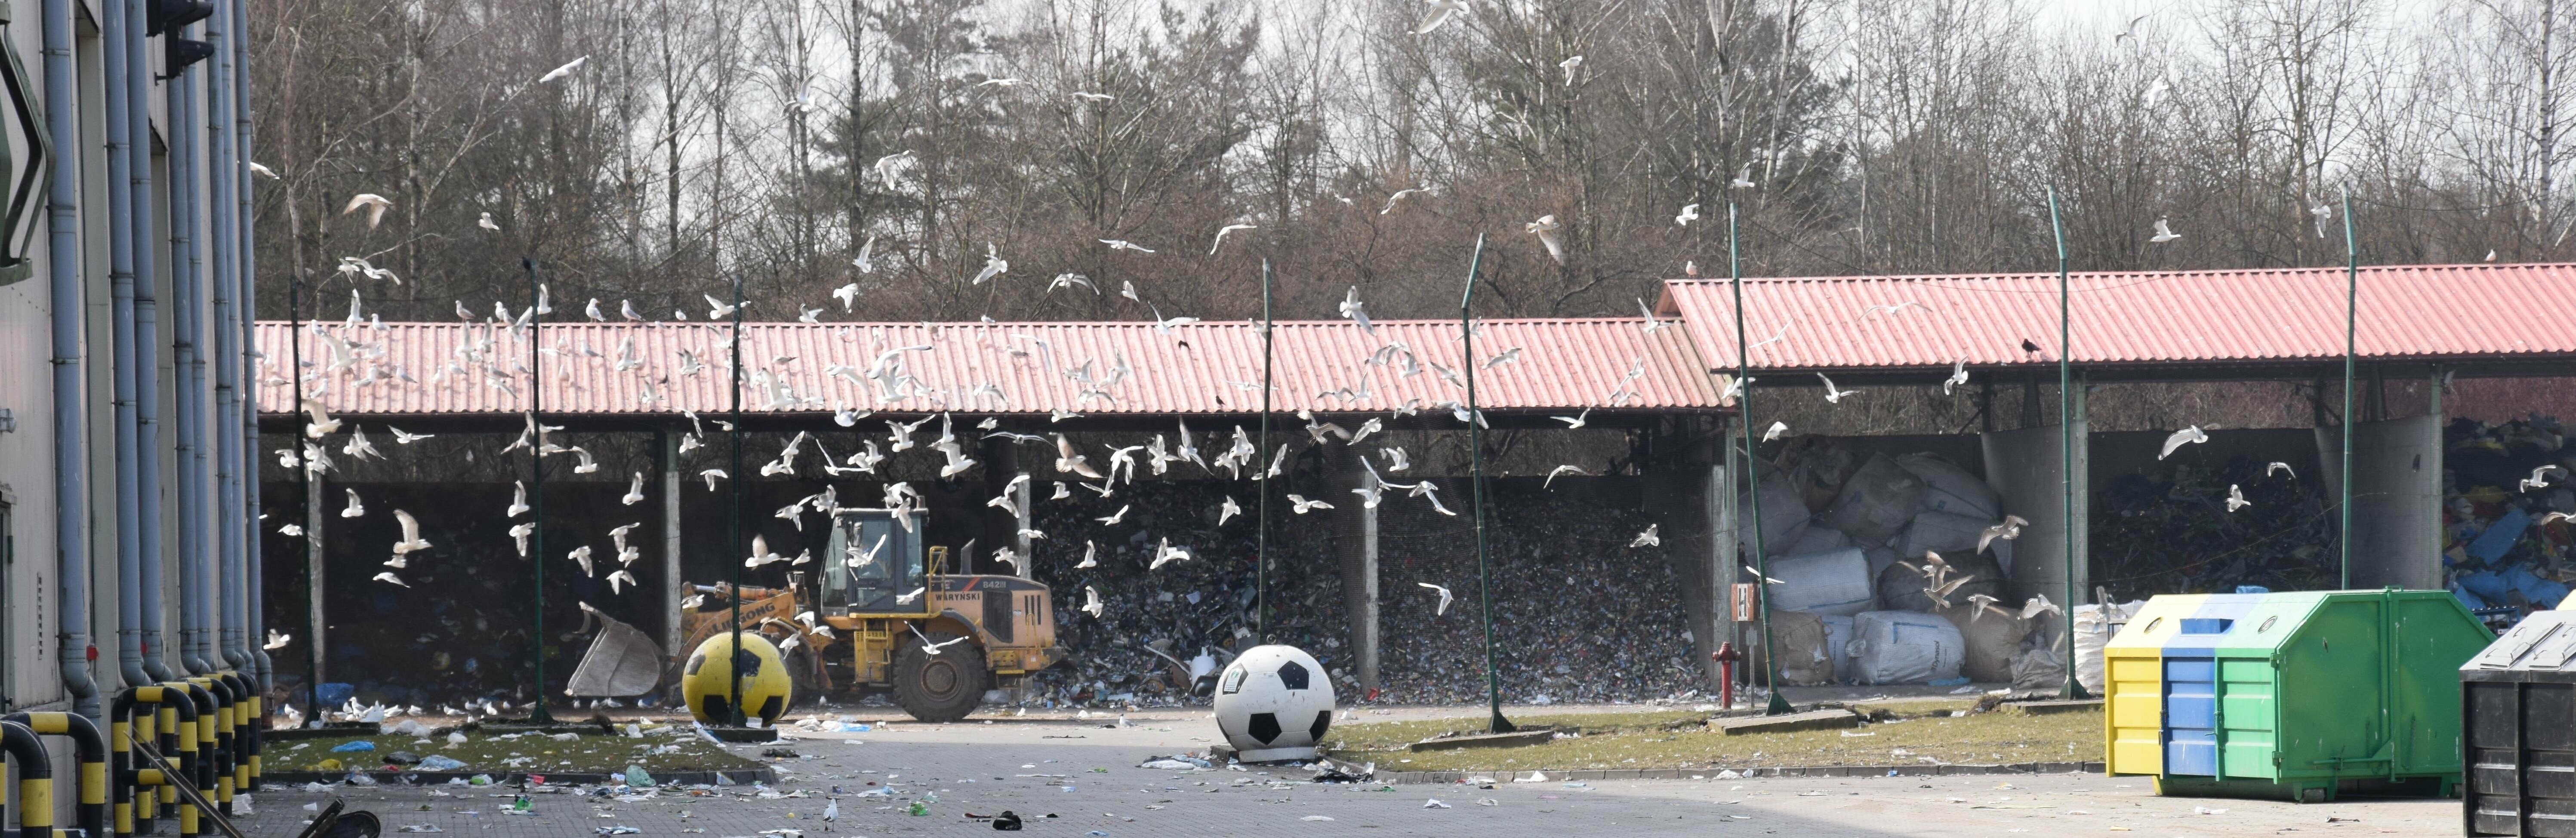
x,y
1722,553
675,585
314,515
1364,625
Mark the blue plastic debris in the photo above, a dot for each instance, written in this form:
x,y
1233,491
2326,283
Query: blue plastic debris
x,y
2500,536
352,747
2252,589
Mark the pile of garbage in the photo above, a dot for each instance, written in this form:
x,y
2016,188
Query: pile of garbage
x,y
2177,532
1579,614
2500,548
1891,570
1203,605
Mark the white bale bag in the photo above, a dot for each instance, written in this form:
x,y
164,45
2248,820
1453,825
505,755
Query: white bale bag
x,y
1905,647
1876,502
1784,512
1835,583
1943,533
2093,626
1952,489
1838,634
1818,539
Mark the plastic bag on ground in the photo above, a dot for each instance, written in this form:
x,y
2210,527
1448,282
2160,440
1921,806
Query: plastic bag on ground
x,y
2037,669
1835,583
1943,533
438,762
1876,502
1905,647
2093,627
1992,640
1950,488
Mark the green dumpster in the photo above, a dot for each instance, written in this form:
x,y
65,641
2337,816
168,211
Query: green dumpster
x,y
2304,695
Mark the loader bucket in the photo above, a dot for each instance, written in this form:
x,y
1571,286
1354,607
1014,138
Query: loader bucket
x,y
622,661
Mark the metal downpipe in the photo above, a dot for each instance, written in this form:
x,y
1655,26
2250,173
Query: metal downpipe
x,y
230,86
63,266
187,357
120,271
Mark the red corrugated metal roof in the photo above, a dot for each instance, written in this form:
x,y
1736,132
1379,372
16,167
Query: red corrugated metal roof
x,y
1565,365
2407,312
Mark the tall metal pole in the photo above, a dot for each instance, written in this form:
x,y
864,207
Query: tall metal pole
x,y
1261,549
733,669
537,489
1476,482
304,494
2065,427
1752,470
2351,319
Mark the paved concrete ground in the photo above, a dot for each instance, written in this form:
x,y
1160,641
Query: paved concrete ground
x,y
1085,774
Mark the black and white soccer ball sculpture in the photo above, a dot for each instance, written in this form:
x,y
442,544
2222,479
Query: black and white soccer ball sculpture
x,y
1274,703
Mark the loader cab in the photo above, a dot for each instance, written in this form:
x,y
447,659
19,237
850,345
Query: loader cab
x,y
895,564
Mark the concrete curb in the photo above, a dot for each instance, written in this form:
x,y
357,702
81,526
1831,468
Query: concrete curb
x,y
1575,775
740,776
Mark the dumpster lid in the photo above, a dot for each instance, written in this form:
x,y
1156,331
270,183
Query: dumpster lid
x,y
2543,642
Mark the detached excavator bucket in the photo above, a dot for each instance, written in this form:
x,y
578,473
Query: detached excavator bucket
x,y
622,661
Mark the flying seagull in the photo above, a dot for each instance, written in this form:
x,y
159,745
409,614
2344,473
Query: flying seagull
x,y
1445,598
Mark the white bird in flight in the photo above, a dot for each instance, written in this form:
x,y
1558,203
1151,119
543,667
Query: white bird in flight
x,y
1302,505
374,204
2236,498
355,508
1689,213
1440,12
1445,598
1091,601
1833,395
411,540
487,223
1776,431
2183,437
1220,235
2164,233
634,491
565,70
1545,228
1648,538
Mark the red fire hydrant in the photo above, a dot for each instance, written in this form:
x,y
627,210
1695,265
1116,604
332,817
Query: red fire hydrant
x,y
1726,656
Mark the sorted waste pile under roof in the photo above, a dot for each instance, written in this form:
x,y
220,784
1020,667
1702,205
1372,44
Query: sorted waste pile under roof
x,y
2171,530
2501,549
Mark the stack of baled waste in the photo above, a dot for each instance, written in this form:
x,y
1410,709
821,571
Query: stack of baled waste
x,y
1854,599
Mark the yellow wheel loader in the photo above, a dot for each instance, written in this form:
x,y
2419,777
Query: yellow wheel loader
x,y
885,616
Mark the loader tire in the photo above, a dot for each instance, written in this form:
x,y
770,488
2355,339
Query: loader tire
x,y
942,687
